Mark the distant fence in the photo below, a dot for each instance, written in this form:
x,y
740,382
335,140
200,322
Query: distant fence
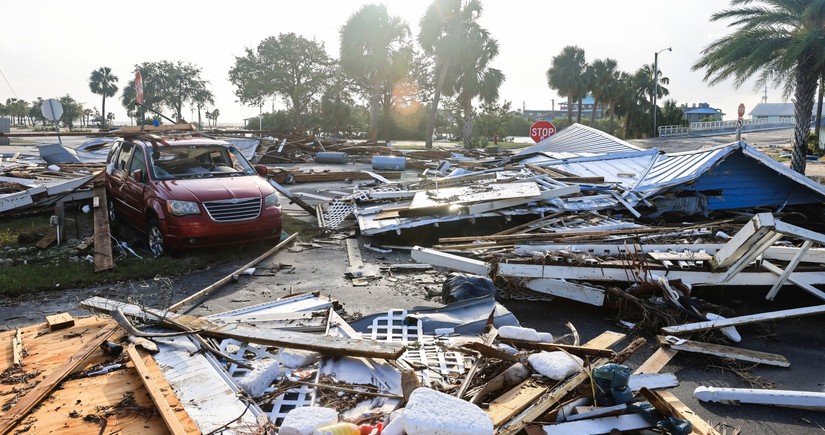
x,y
713,127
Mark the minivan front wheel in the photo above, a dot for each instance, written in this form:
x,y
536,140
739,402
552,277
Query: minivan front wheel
x,y
154,238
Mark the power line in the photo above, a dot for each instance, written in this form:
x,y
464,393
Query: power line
x,y
7,82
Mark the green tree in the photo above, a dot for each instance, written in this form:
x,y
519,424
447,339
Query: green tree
x,y
337,105
672,114
288,66
72,110
166,85
473,77
375,49
603,75
779,40
201,98
103,82
567,77
444,29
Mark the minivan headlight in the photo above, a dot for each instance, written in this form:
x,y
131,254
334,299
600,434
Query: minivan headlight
x,y
183,208
272,200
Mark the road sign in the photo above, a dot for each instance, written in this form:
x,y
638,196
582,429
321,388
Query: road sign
x,y
51,109
541,130
741,109
138,87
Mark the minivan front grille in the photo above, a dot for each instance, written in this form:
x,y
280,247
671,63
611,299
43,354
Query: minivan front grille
x,y
233,210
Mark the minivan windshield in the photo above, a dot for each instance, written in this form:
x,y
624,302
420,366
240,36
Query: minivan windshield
x,y
197,161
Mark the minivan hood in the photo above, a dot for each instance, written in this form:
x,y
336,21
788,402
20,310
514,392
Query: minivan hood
x,y
215,189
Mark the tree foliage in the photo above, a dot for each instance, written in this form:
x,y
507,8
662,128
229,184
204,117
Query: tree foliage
x,y
166,85
288,66
567,76
773,40
103,82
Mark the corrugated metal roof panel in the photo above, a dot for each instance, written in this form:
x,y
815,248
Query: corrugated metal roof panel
x,y
625,169
580,139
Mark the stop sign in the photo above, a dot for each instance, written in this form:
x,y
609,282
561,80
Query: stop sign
x,y
138,87
541,130
741,110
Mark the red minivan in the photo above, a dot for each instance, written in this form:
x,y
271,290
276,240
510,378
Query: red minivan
x,y
187,192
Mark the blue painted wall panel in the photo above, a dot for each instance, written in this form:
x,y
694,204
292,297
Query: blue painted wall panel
x,y
745,183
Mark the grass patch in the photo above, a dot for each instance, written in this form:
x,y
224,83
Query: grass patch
x,y
58,268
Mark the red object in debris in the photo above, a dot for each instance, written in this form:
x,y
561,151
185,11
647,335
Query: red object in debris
x,y
541,130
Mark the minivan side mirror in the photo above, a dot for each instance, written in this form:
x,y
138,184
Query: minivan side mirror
x,y
137,174
262,170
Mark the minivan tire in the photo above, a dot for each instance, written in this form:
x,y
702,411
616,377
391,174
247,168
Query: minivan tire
x,y
154,238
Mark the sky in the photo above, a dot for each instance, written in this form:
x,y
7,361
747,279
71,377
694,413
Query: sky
x,y
48,48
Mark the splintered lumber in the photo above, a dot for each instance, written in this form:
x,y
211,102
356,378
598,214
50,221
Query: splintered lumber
x,y
743,320
147,377
656,362
60,321
221,282
797,399
575,350
537,400
103,241
668,405
489,337
324,344
17,347
442,259
46,385
567,290
504,407
722,351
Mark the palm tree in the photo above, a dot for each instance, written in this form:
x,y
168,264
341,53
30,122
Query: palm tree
x,y
603,76
102,82
472,77
375,49
445,28
567,77
780,40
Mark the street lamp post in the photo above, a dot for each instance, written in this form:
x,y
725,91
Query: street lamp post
x,y
656,84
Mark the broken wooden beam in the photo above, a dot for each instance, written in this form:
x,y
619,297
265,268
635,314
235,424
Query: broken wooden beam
x,y
223,281
796,399
103,240
158,398
17,347
323,344
743,320
669,406
722,351
550,347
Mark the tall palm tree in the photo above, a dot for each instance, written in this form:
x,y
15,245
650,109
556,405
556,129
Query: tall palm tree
x,y
780,40
603,76
444,30
103,82
374,49
472,77
567,76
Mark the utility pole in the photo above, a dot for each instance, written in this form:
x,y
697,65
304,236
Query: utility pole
x,y
656,84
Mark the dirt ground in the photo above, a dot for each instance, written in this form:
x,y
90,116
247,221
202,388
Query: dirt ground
x,y
321,267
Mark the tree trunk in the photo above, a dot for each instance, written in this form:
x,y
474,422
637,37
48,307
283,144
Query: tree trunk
x,y
569,110
375,98
804,91
200,126
468,123
103,111
612,115
579,112
442,77
819,109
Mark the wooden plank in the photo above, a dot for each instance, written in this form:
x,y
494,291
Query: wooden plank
x,y
60,321
220,283
17,347
159,399
47,240
796,399
456,262
103,241
504,407
669,405
652,381
326,345
657,361
550,347
541,402
52,380
603,425
792,278
567,290
788,269
680,256
744,320
725,351
744,239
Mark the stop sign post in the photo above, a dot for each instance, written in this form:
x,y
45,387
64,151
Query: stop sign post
x,y
541,130
740,122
